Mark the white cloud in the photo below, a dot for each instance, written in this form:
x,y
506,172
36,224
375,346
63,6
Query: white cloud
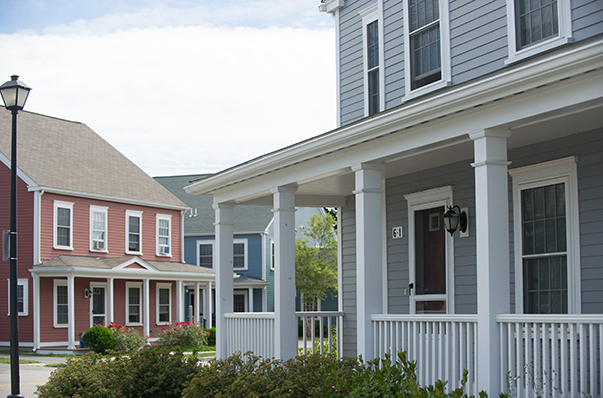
x,y
186,99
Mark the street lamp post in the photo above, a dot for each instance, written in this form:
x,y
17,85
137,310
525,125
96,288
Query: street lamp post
x,y
14,94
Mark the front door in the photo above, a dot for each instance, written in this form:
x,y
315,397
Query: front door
x,y
98,305
430,262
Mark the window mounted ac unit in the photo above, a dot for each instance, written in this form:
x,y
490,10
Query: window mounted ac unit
x,y
98,244
165,250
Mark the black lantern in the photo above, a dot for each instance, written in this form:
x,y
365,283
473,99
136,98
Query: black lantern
x,y
455,218
14,93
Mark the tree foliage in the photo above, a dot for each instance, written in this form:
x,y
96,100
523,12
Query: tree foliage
x,y
316,259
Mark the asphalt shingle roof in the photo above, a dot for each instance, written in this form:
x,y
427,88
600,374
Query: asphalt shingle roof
x,y
70,156
246,218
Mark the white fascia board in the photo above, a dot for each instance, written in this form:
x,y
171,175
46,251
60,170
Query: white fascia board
x,y
121,274
503,84
108,198
331,5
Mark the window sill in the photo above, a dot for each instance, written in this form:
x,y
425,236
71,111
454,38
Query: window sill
x,y
60,326
515,56
134,324
63,248
163,323
134,253
98,251
425,90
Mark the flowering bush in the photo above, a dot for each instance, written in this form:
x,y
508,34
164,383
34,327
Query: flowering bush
x,y
185,335
126,340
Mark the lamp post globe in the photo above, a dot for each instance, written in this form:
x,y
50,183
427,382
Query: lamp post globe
x,y
14,94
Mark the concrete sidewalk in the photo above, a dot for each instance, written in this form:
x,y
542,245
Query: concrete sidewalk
x,y
31,375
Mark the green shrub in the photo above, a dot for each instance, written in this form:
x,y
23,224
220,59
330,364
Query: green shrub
x,y
211,337
126,340
183,335
99,339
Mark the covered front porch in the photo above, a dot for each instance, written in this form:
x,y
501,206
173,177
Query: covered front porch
x,y
513,298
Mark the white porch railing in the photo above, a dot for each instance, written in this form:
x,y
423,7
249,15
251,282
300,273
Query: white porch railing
x,y
254,331
442,345
250,331
552,355
326,343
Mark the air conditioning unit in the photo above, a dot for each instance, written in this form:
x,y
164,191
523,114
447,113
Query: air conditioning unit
x,y
164,250
98,244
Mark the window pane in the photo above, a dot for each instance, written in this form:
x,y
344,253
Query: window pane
x,y
61,305
536,21
133,234
545,281
238,303
63,226
20,302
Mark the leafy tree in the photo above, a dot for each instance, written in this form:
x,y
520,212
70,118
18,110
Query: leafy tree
x,y
316,260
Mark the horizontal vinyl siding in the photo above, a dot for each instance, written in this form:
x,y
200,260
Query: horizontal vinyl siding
x,y
587,18
348,245
25,247
116,234
393,46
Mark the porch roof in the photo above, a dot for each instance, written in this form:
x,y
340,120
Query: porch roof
x,y
122,268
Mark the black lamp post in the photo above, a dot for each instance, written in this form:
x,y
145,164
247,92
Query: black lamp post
x,y
14,94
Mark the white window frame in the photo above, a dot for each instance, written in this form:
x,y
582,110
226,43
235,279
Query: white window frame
x,y
63,205
105,211
564,12
103,285
445,77
426,200
245,294
370,15
212,242
134,285
56,283
168,218
25,283
209,242
158,287
561,170
137,214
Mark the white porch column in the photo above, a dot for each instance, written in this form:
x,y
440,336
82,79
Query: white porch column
x,y
210,306
71,309
250,294
369,262
36,310
224,273
197,314
110,300
285,322
179,301
147,308
492,246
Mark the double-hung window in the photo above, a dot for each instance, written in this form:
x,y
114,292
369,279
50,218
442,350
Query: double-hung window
x,y
22,296
205,254
546,237
372,33
133,232
98,228
63,225
427,63
61,303
134,303
536,26
164,307
239,250
164,235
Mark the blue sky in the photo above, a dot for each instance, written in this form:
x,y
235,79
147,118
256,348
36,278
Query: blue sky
x,y
177,86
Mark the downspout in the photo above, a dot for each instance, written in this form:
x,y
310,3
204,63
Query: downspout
x,y
182,236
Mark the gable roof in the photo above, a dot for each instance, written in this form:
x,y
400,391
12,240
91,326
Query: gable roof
x,y
253,219
70,158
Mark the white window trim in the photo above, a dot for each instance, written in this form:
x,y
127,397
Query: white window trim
x,y
245,294
444,54
560,170
135,285
133,213
370,15
421,201
25,283
212,242
105,211
163,286
564,11
168,218
59,282
65,205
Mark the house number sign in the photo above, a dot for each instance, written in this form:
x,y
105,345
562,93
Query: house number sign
x,y
396,232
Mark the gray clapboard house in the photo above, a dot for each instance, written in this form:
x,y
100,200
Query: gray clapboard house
x,y
490,109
